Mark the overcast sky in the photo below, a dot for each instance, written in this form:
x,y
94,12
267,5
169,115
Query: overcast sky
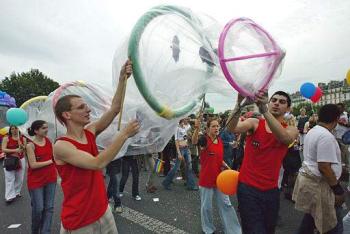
x,y
76,39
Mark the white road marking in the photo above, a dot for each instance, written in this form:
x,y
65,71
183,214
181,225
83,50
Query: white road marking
x,y
149,223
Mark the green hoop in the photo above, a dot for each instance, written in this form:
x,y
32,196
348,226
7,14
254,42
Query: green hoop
x,y
133,51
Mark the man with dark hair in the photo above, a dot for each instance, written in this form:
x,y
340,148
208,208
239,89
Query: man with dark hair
x,y
79,164
266,145
317,191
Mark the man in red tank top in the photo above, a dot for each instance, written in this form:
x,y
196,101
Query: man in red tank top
x,y
79,164
266,145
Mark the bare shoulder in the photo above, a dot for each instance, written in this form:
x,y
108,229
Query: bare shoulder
x,y
62,149
254,122
91,127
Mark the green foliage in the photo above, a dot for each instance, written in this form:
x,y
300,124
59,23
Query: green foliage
x,y
309,107
28,85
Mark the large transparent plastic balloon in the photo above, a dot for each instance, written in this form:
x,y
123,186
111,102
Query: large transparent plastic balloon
x,y
249,56
173,51
148,140
33,107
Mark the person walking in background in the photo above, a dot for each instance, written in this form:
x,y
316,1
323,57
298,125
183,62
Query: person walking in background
x,y
130,162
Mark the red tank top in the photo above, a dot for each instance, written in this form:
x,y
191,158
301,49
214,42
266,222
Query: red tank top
x,y
211,161
262,160
13,144
85,198
40,177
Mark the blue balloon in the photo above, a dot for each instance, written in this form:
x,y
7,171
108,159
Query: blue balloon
x,y
308,90
16,116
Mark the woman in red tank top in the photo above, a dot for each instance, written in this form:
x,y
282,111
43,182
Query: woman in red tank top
x,y
41,178
211,161
13,145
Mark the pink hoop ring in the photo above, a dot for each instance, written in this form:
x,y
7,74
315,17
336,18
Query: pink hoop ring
x,y
277,52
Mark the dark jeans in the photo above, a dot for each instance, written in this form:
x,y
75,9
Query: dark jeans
x,y
129,162
195,164
112,190
229,156
42,201
308,224
258,209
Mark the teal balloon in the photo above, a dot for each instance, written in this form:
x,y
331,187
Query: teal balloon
x,y
16,116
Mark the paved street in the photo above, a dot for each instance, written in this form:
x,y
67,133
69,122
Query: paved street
x,y
176,212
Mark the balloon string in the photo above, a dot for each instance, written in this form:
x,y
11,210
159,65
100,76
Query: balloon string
x,y
122,103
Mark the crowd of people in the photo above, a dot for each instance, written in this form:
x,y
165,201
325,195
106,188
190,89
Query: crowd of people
x,y
273,151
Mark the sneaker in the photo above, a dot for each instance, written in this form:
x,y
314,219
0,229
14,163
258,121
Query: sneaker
x,y
121,194
9,201
137,198
118,209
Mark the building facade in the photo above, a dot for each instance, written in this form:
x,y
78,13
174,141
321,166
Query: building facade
x,y
333,93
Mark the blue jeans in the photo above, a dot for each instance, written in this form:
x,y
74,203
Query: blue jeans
x,y
227,212
42,201
190,177
258,209
308,224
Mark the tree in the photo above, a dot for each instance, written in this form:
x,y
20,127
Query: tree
x,y
28,85
309,107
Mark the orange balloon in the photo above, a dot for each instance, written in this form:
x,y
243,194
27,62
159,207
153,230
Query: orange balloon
x,y
227,182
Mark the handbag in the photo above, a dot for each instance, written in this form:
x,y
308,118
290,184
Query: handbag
x,y
11,162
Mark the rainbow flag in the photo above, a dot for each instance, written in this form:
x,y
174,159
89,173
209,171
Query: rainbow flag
x,y
158,166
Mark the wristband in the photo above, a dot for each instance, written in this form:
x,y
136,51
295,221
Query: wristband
x,y
337,189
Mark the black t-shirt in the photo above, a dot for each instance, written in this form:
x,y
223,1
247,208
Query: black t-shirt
x,y
301,123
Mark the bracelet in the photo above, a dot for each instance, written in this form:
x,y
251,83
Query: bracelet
x,y
337,189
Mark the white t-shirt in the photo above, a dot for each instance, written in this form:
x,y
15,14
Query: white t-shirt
x,y
181,133
321,146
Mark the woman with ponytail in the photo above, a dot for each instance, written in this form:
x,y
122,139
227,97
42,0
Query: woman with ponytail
x,y
41,178
211,162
